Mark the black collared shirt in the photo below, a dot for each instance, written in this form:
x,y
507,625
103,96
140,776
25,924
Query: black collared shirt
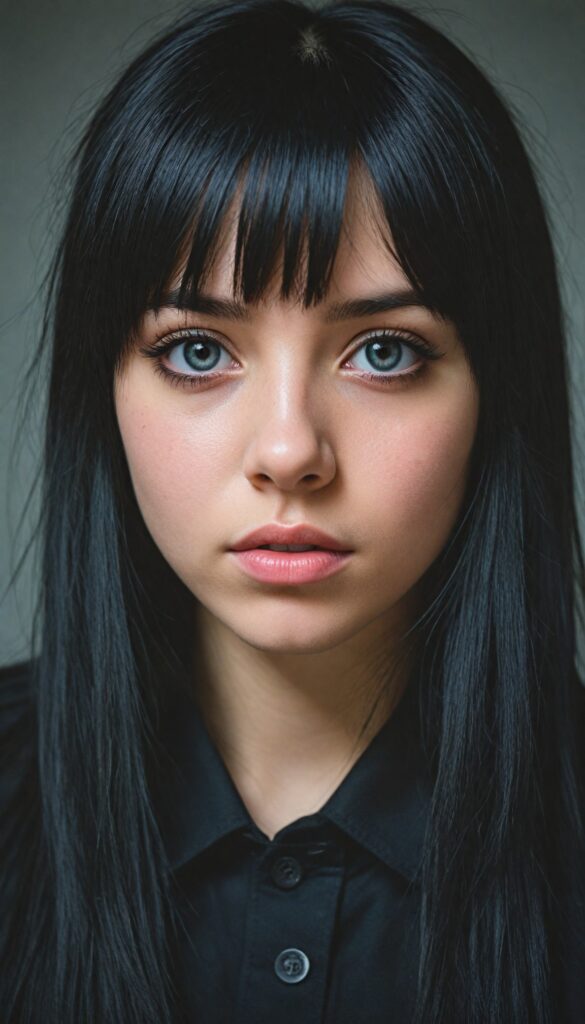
x,y
319,925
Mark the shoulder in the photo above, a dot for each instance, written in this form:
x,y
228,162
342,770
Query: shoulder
x,y
15,689
17,728
16,696
19,797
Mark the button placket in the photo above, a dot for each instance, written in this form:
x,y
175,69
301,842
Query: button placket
x,y
289,933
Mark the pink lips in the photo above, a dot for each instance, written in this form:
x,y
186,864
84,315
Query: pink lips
x,y
290,567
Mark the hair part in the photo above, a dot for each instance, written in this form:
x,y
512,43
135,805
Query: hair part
x,y
310,47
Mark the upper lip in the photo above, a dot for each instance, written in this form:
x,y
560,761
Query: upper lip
x,y
302,533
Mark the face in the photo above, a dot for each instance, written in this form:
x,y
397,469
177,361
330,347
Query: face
x,y
291,430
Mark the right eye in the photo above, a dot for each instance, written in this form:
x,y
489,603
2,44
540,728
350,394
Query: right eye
x,y
196,357
199,353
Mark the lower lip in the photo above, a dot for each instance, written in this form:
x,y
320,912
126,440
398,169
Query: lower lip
x,y
290,567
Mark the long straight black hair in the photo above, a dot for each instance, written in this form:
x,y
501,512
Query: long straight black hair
x,y
283,101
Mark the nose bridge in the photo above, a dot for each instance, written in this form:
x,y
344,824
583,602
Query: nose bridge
x,y
289,385
287,442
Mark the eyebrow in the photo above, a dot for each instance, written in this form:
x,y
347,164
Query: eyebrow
x,y
335,312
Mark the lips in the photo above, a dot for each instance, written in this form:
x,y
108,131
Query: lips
x,y
302,533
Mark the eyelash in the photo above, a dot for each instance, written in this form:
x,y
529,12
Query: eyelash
x,y
166,343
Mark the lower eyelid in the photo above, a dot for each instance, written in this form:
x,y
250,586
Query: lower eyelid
x,y
196,381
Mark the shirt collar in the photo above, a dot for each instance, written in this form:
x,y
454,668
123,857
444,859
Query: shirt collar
x,y
382,803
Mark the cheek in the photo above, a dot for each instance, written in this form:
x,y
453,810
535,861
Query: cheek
x,y
417,475
426,472
173,464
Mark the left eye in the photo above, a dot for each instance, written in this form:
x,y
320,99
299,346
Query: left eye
x,y
384,353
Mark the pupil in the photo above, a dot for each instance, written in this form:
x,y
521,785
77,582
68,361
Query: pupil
x,y
197,352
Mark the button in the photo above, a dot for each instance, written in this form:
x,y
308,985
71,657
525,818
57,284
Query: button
x,y
292,965
286,872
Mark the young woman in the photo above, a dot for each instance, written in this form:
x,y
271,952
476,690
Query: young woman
x,y
305,296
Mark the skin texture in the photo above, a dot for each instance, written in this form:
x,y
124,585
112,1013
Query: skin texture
x,y
286,676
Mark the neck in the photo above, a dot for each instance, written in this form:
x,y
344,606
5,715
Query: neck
x,y
289,727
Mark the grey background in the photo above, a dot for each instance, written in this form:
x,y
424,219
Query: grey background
x,y
59,56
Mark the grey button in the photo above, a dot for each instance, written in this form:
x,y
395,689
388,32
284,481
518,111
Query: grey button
x,y
292,965
286,872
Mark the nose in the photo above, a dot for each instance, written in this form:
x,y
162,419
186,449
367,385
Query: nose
x,y
289,447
